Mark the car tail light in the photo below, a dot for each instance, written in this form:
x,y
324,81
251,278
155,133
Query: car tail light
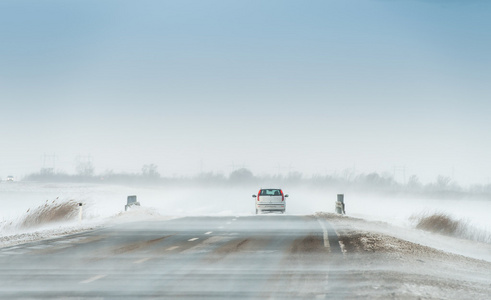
x,y
282,196
258,195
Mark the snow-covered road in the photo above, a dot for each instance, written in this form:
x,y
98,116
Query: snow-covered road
x,y
248,257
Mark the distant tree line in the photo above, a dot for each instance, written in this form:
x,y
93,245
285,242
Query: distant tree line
x,y
442,187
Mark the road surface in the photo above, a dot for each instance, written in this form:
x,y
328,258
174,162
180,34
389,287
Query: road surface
x,y
266,256
252,257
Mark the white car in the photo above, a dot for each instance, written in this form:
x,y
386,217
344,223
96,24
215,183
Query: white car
x,y
270,200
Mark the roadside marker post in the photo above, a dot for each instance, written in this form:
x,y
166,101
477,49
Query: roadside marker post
x,y
340,208
80,205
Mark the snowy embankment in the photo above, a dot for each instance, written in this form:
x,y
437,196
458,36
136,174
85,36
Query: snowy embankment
x,y
36,211
60,219
33,211
42,231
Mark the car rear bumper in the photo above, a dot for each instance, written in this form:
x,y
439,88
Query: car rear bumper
x,y
271,207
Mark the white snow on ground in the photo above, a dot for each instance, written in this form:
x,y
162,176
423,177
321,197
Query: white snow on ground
x,y
48,231
381,265
104,204
459,246
43,233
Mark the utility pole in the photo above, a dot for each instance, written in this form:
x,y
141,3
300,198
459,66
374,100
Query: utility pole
x,y
49,167
400,169
279,168
232,166
84,165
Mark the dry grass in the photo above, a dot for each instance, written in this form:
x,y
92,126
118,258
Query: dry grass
x,y
442,223
438,223
50,213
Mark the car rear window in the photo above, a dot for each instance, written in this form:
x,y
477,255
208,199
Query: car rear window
x,y
270,192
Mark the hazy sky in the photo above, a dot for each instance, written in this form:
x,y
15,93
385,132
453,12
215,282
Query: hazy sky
x,y
308,86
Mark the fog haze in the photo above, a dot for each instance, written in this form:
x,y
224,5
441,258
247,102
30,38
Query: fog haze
x,y
275,87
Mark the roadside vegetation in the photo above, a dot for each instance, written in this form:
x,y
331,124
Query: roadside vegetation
x,y
445,224
50,212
